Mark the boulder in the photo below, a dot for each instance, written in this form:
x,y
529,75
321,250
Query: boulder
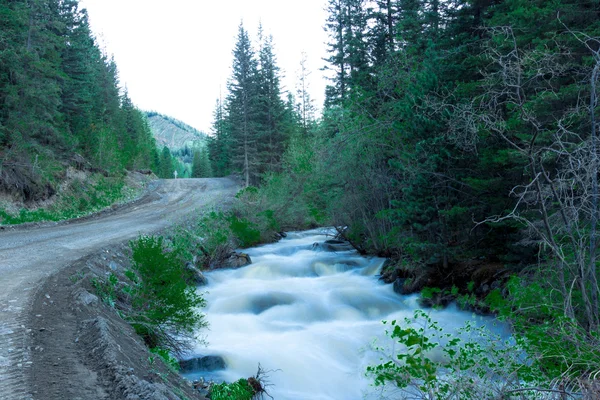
x,y
204,364
236,260
398,286
85,298
196,276
333,246
279,235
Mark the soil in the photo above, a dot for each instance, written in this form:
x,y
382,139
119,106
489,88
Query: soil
x,y
57,340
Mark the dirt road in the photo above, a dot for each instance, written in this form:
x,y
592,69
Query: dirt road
x,y
29,256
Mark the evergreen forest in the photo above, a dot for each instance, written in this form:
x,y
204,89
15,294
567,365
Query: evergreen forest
x,y
458,138
61,104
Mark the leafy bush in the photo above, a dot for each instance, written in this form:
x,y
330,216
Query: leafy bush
x,y
209,238
167,358
565,349
282,202
214,236
239,390
472,363
244,231
165,308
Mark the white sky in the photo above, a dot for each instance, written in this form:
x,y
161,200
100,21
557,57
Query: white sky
x,y
174,56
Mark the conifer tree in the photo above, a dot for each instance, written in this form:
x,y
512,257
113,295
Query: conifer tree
x,y
337,26
201,167
242,109
272,137
166,167
219,143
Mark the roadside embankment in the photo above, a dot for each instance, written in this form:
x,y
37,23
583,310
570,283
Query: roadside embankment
x,y
82,348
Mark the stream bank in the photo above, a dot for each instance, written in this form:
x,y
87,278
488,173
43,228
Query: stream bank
x,y
80,348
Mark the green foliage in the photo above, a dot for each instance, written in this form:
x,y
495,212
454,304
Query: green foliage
x,y
291,199
239,390
167,358
61,102
471,363
201,167
166,166
244,231
429,292
107,289
164,306
78,199
564,348
214,236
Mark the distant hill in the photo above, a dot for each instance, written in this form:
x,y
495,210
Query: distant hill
x,y
173,133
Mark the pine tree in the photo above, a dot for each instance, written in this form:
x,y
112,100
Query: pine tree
x,y
201,167
166,167
219,143
272,137
337,26
242,109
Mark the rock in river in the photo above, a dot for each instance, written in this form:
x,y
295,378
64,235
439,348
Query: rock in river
x,y
205,363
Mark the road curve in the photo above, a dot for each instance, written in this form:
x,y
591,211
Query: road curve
x,y
28,256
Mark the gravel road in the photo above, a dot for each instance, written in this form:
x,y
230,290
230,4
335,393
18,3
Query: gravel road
x,y
28,256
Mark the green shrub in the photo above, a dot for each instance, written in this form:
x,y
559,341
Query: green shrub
x,y
165,308
472,363
244,230
565,349
214,237
167,358
239,390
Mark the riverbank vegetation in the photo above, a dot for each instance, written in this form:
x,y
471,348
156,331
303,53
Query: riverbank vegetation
x,y
157,296
459,139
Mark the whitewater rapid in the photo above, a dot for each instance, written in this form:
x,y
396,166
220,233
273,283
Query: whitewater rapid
x,y
308,315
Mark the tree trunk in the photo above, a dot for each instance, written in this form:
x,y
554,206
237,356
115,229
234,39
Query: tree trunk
x,y
592,270
390,23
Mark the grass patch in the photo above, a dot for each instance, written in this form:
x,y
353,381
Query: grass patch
x,y
80,198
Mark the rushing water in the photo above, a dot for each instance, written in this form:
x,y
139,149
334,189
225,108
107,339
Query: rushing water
x,y
309,315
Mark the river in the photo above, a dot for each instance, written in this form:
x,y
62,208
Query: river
x,y
308,315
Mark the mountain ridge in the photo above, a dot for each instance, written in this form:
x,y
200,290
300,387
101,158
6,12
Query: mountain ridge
x,y
173,133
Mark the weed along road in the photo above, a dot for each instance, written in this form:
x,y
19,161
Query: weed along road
x,y
30,255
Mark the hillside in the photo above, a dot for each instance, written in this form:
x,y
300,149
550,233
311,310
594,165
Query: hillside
x,y
173,133
68,131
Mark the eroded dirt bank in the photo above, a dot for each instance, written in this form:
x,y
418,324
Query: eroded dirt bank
x,y
28,257
82,349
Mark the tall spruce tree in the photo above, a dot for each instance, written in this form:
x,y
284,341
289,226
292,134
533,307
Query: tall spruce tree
x,y
242,109
219,142
272,136
201,167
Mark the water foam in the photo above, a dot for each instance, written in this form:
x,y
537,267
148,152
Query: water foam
x,y
309,316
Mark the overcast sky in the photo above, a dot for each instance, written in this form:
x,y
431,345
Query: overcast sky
x,y
174,56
